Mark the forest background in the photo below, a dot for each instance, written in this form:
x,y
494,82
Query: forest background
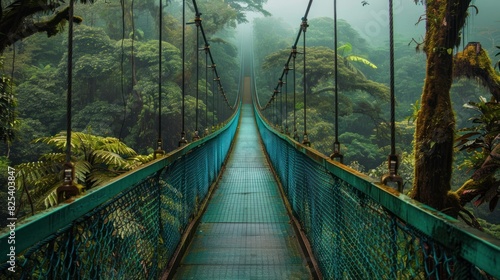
x,y
116,84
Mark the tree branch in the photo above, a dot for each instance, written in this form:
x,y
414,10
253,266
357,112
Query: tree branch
x,y
13,26
474,62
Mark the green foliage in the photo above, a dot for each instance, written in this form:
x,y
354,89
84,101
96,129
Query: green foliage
x,y
319,65
4,164
8,113
321,33
361,60
18,22
244,6
101,117
41,97
22,149
345,51
482,134
96,160
493,229
482,140
356,148
415,107
361,100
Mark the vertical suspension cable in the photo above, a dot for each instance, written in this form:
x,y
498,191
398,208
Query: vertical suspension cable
x,y
197,22
218,102
183,140
122,78
132,51
281,104
11,99
393,160
68,188
13,69
275,110
206,89
286,98
336,145
294,58
159,143
213,97
305,140
70,83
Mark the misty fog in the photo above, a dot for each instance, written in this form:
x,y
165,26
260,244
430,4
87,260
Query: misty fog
x,y
371,20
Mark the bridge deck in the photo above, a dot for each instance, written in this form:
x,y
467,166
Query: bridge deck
x,y
245,232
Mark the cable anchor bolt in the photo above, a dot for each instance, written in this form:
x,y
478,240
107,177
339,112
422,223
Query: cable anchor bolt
x,y
196,136
183,142
68,188
306,141
336,153
392,176
159,149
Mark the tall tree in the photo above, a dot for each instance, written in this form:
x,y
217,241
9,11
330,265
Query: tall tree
x,y
435,128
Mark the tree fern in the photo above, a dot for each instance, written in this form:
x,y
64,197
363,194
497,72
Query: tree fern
x,y
96,160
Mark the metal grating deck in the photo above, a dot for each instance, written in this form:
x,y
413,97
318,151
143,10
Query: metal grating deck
x,y
245,232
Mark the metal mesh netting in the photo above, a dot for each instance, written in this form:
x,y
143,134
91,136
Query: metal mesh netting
x,y
134,234
119,234
352,236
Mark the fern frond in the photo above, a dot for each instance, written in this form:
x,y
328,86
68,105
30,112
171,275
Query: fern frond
x,y
41,195
82,169
139,160
59,141
108,158
98,178
33,171
51,199
53,157
116,146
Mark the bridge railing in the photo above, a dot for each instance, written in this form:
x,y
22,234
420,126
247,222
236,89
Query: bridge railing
x,y
360,229
127,229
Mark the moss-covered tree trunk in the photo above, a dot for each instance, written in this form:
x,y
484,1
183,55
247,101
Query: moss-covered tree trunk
x,y
435,129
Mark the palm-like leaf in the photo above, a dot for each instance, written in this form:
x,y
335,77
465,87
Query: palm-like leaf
x,y
82,170
108,158
138,160
99,177
96,160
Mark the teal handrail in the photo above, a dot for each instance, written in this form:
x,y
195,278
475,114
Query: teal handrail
x,y
359,228
130,226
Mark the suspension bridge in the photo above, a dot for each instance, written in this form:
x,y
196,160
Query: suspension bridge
x,y
246,202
